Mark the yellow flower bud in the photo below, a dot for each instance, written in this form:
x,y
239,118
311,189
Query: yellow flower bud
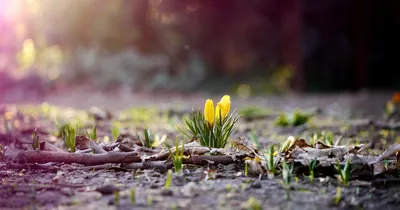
x,y
209,112
223,107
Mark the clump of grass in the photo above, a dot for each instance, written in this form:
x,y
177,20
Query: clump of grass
x,y
169,179
35,140
69,134
311,168
344,174
294,118
325,137
150,141
211,128
253,112
287,173
214,136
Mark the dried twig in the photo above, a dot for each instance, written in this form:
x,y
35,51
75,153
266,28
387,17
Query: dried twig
x,y
81,158
160,165
96,148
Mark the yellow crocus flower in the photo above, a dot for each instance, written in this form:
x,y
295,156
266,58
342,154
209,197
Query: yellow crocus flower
x,y
209,112
223,107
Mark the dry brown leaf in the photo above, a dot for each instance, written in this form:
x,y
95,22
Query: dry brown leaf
x,y
299,143
82,142
255,168
321,145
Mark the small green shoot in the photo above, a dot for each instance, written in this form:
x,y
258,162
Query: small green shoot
x,y
338,195
149,200
228,187
35,141
116,198
311,168
246,168
93,134
252,204
69,134
169,179
116,129
147,141
177,157
133,196
344,174
271,167
287,173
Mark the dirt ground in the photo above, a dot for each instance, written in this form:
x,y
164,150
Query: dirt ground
x,y
90,188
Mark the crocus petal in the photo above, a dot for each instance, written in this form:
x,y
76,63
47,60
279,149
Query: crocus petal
x,y
209,111
221,110
226,105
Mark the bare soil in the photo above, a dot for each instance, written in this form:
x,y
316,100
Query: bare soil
x,y
91,188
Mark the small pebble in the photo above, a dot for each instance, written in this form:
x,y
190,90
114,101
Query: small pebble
x,y
256,185
107,189
166,192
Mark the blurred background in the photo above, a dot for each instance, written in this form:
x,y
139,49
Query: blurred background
x,y
248,47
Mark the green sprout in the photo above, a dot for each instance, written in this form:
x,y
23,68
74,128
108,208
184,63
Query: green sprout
x,y
149,200
246,168
294,118
287,173
338,195
323,136
147,141
93,134
311,168
133,196
69,134
344,174
169,179
116,198
35,139
177,157
115,129
271,167
228,187
151,141
327,138
252,204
